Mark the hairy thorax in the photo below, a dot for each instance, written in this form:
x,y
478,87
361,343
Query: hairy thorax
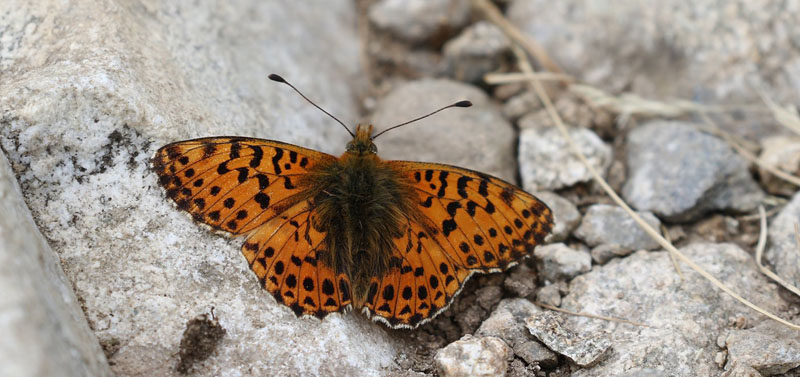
x,y
362,205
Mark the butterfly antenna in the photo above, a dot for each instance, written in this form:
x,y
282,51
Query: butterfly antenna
x,y
457,104
277,78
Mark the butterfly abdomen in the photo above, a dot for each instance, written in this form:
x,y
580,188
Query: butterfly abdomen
x,y
364,206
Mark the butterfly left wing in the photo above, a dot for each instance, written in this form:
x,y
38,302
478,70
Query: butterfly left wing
x,y
471,223
252,186
285,254
234,184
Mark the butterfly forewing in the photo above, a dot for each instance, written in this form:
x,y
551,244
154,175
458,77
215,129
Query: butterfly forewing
x,y
233,184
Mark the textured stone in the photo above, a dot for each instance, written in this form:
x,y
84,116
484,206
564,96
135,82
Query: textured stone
x,y
610,226
783,251
565,215
680,173
685,316
701,50
585,349
477,138
770,348
559,261
91,89
521,281
507,322
477,51
547,163
419,20
44,332
473,356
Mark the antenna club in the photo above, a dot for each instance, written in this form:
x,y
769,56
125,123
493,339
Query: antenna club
x,y
277,78
463,104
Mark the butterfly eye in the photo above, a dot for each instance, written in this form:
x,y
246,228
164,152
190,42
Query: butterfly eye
x,y
373,148
350,146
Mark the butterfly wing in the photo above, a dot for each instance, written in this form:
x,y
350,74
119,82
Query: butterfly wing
x,y
285,254
479,224
233,184
250,186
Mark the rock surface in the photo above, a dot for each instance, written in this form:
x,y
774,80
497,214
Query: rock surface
x,y
680,173
547,163
585,349
477,138
475,52
559,261
703,50
782,252
770,348
44,332
83,105
419,20
610,227
507,322
474,356
685,317
565,215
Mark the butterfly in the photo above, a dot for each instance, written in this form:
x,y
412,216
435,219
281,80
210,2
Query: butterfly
x,y
395,240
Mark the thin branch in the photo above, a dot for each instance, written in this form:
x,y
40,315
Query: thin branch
x,y
587,315
515,77
675,264
786,116
793,179
496,17
762,242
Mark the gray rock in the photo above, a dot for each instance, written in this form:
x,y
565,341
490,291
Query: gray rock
x,y
680,173
565,215
782,252
585,349
738,370
780,152
91,89
547,163
559,261
521,281
770,348
477,51
44,330
610,226
549,295
419,20
670,49
477,138
473,356
684,316
507,322
517,106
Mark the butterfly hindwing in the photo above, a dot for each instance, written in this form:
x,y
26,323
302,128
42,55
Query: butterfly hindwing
x,y
421,287
284,253
233,184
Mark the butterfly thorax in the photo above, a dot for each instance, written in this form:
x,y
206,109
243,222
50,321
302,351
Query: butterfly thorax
x,y
363,205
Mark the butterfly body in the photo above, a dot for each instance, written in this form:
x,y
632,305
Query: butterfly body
x,y
396,240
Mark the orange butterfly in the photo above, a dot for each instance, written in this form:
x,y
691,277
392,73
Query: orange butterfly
x,y
394,239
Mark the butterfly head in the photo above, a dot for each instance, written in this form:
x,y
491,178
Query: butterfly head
x,y
362,142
